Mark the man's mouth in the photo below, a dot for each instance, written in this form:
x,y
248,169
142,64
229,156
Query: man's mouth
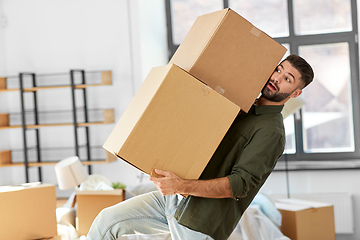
x,y
272,86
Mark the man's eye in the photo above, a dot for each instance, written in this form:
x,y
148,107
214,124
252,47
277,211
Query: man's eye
x,y
287,79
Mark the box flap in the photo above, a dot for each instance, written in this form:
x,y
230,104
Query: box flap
x,y
291,204
24,186
102,192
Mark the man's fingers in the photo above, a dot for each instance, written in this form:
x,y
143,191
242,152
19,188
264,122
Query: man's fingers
x,y
158,175
163,173
167,183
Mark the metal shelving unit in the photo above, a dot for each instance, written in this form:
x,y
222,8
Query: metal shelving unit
x,y
5,155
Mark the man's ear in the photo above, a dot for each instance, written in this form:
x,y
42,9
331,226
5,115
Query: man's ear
x,y
296,93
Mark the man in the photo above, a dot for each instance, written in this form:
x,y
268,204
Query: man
x,y
234,175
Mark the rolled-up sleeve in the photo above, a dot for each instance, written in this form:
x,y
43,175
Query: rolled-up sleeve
x,y
257,159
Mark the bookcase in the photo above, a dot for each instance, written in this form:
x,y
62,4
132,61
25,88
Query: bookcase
x,y
75,80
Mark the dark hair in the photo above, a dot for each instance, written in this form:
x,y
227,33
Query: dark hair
x,y
304,68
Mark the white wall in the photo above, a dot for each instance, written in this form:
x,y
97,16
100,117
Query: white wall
x,y
3,99
55,36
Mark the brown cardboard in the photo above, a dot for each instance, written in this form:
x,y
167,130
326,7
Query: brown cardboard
x,y
2,82
4,119
106,78
54,238
5,158
230,55
89,205
306,220
28,212
174,123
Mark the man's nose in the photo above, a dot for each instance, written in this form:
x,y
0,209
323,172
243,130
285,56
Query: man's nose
x,y
278,77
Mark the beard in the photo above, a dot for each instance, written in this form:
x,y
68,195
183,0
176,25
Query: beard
x,y
274,96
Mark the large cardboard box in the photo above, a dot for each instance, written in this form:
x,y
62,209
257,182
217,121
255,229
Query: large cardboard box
x,y
174,123
230,55
90,204
306,220
27,212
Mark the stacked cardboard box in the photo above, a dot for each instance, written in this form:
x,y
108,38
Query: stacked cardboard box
x,y
28,212
230,55
183,110
174,123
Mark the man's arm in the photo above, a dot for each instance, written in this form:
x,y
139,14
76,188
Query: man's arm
x,y
171,184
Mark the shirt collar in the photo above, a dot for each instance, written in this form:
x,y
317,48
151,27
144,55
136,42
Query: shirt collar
x,y
264,109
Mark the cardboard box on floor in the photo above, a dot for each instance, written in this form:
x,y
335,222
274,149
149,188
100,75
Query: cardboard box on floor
x,y
230,55
306,220
89,205
28,212
174,122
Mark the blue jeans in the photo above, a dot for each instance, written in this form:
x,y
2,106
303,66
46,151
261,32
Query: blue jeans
x,y
150,213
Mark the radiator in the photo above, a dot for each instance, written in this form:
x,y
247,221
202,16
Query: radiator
x,y
343,208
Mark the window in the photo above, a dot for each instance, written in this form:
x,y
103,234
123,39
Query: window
x,y
328,119
186,12
325,34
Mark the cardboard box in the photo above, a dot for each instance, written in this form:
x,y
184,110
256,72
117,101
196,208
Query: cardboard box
x,y
230,55
28,212
90,203
306,220
4,119
174,123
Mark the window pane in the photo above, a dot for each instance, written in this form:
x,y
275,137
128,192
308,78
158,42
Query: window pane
x,y
328,111
268,15
320,16
185,12
290,134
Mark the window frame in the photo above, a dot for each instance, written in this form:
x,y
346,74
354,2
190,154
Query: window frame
x,y
295,41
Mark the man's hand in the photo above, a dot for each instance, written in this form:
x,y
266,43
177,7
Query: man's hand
x,y
169,184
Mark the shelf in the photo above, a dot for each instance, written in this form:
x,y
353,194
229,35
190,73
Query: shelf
x,y
5,161
108,118
106,79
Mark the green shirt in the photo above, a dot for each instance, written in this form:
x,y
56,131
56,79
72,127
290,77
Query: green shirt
x,y
247,155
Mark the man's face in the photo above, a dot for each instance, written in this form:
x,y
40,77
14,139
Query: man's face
x,y
283,83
